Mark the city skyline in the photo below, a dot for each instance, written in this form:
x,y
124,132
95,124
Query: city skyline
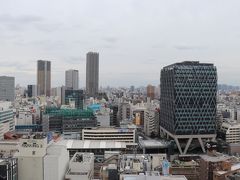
x,y
136,35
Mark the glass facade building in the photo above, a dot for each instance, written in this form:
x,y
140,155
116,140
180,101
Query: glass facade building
x,y
74,95
188,98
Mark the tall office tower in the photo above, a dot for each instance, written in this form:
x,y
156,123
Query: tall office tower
x,y
151,91
7,88
71,79
32,90
92,73
188,102
44,77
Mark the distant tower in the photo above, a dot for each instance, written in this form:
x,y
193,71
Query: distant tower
x,y
7,88
92,73
44,77
151,92
71,79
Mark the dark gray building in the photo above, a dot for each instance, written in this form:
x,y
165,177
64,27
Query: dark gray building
x,y
44,77
7,88
74,95
92,74
32,90
188,100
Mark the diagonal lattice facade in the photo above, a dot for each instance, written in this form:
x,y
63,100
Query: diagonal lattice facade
x,y
188,98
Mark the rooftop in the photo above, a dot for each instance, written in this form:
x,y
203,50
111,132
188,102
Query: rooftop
x,y
90,144
152,143
217,158
193,63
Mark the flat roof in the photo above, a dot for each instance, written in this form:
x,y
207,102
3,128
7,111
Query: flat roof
x,y
215,158
152,143
91,144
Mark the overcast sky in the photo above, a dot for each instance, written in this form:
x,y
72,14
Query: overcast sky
x,y
134,38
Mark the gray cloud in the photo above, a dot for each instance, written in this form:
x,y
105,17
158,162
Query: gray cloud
x,y
130,36
110,39
25,19
189,47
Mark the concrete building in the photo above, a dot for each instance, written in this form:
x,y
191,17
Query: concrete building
x,y
138,113
209,164
155,175
8,168
69,122
72,79
188,102
56,162
143,167
124,111
44,77
81,166
110,134
151,91
32,150
6,118
7,88
59,94
114,116
98,148
92,74
103,117
151,120
32,90
24,117
231,129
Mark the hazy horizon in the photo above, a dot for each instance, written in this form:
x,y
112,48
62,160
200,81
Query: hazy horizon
x,y
135,39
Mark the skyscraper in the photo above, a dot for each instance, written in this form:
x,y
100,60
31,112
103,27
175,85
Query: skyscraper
x,y
151,91
92,73
188,101
7,88
71,79
44,77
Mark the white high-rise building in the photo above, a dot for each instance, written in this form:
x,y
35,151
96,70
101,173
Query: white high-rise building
x,y
72,79
7,88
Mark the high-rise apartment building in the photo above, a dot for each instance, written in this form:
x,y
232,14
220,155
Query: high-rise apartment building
x,y
92,73
151,91
188,101
71,79
7,88
44,77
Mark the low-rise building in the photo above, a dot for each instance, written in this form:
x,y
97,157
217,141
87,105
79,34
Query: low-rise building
x,y
6,118
81,166
32,150
231,129
110,134
8,168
